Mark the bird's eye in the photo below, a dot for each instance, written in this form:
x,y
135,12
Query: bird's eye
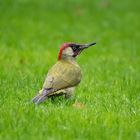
x,y
74,48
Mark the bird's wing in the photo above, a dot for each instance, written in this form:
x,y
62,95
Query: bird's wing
x,y
62,75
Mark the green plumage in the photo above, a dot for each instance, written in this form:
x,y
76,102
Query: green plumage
x,y
63,74
61,79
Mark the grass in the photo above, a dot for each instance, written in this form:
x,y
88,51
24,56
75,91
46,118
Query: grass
x,y
106,104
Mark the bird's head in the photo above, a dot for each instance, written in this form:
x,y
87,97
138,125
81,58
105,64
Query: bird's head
x,y
72,50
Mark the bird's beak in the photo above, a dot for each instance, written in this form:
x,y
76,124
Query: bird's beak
x,y
80,48
86,45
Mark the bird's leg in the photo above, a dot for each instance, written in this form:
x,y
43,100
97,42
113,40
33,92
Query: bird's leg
x,y
69,92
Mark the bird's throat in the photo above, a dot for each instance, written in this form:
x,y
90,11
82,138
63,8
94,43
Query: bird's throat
x,y
68,57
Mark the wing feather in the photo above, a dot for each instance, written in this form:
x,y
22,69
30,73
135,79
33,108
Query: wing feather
x,y
62,75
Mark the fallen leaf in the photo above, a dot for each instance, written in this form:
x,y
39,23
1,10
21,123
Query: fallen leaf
x,y
78,105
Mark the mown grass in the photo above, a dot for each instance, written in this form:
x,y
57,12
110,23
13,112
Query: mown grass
x,y
106,104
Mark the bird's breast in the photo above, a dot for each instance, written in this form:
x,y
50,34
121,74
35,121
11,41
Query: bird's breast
x,y
65,73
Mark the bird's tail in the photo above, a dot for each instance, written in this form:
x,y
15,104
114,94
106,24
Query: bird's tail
x,y
46,93
41,96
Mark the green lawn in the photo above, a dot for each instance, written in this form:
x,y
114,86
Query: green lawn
x,y
106,104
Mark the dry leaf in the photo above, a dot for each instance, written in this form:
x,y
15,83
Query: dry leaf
x,y
78,105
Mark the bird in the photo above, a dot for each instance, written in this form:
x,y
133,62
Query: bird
x,y
64,75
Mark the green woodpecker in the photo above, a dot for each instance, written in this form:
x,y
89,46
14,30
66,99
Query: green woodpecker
x,y
64,75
